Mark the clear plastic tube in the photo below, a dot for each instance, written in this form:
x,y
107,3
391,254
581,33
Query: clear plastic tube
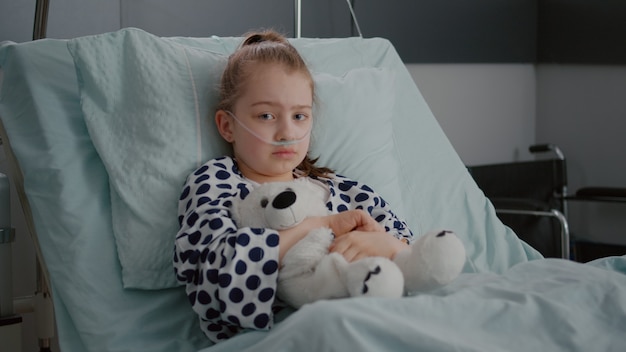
x,y
269,141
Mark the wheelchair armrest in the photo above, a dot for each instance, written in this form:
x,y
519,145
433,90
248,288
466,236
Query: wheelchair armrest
x,y
542,148
600,194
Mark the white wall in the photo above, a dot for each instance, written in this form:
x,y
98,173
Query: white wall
x,y
16,20
73,18
486,110
582,108
67,18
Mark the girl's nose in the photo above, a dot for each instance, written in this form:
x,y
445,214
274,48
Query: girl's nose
x,y
287,129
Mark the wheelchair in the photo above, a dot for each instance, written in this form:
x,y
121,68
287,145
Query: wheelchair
x,y
531,197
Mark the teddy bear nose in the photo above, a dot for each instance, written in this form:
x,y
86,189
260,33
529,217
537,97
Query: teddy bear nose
x,y
284,200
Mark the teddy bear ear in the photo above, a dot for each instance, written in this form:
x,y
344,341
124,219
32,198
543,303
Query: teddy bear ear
x,y
249,211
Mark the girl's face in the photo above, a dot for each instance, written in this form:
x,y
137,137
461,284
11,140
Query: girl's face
x,y
276,105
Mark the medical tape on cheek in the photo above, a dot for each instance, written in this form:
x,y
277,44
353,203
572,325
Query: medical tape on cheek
x,y
268,141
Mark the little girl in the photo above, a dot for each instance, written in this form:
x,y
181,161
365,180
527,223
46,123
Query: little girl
x,y
265,112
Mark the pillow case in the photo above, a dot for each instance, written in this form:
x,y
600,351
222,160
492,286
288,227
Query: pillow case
x,y
148,103
353,133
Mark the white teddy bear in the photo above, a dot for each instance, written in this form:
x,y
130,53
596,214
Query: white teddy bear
x,y
309,272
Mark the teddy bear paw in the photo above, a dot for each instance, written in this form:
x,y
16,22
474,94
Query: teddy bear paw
x,y
434,260
374,277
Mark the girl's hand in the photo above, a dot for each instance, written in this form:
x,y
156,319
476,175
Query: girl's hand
x,y
356,245
341,224
352,220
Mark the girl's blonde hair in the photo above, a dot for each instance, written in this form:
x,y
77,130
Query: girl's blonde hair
x,y
264,47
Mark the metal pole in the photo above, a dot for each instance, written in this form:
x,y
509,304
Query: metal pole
x,y
41,19
298,18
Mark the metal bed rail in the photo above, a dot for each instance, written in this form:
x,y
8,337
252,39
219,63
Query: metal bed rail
x,y
553,213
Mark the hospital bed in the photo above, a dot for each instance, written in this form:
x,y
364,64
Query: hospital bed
x,y
102,130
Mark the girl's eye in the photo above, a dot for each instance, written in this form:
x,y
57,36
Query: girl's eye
x,y
300,117
266,116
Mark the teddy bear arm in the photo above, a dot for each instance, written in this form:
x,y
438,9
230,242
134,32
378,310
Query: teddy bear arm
x,y
307,253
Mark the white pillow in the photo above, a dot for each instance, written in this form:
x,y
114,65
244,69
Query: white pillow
x,y
353,133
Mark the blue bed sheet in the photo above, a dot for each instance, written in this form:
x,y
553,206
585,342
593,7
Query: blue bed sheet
x,y
542,305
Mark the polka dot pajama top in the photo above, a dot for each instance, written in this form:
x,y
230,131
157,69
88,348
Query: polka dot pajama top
x,y
231,273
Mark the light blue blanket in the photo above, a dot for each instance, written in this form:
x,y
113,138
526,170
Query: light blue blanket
x,y
542,305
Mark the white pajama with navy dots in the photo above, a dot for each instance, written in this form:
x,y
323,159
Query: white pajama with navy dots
x,y
231,273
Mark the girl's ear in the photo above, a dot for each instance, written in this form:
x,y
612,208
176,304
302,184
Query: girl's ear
x,y
224,125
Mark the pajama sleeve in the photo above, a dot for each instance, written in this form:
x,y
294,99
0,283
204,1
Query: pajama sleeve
x,y
347,194
230,273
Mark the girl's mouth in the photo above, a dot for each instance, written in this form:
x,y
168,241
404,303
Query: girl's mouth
x,y
284,152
